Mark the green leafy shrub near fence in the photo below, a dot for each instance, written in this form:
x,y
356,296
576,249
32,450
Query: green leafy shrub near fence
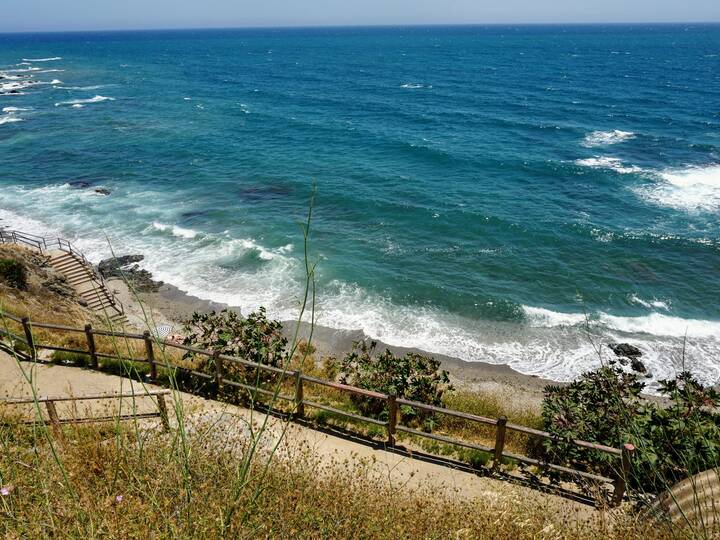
x,y
13,274
254,338
673,440
412,376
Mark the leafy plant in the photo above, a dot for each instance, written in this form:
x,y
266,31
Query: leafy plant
x,y
412,376
254,338
672,440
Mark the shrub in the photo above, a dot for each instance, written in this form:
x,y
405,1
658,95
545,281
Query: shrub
x,y
64,357
413,376
604,406
255,338
13,273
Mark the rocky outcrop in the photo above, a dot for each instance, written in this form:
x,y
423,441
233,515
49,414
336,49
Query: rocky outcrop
x,y
126,268
630,353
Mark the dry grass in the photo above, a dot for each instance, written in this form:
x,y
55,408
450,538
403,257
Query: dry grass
x,y
299,497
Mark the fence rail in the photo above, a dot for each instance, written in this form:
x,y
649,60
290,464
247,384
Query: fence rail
x,y
43,244
392,425
55,420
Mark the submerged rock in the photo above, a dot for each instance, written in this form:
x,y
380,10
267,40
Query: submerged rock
x,y
102,191
79,184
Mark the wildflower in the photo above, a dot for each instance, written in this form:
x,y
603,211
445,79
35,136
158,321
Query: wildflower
x,y
4,491
118,499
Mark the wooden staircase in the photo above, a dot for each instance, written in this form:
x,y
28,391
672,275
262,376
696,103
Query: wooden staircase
x,y
83,278
79,272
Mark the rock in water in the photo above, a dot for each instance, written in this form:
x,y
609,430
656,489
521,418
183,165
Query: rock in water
x,y
125,267
102,191
637,366
625,350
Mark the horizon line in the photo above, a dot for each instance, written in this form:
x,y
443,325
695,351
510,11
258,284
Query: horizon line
x,y
358,26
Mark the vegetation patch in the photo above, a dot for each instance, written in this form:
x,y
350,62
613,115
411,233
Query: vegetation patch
x,y
13,274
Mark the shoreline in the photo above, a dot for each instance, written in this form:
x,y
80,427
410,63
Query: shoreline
x,y
170,306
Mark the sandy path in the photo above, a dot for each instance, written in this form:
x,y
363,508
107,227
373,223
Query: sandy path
x,y
396,469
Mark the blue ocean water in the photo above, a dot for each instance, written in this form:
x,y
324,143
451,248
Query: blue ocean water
x,y
481,191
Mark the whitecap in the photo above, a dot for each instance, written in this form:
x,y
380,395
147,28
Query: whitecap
x,y
605,162
414,86
9,119
94,87
689,189
13,109
42,59
179,232
650,304
607,138
96,99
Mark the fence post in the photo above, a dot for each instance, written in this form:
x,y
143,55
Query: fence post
x,y
29,337
392,418
54,418
162,408
299,395
499,441
218,372
91,346
150,355
621,482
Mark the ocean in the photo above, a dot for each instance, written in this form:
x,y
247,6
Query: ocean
x,y
508,194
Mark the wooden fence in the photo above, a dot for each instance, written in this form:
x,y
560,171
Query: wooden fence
x,y
55,420
299,403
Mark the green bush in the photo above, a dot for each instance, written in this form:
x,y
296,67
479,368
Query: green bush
x,y
413,376
13,273
255,338
64,357
672,441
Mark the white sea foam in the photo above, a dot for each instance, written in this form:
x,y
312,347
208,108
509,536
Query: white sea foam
x,y
605,162
42,59
13,109
180,232
96,99
690,189
655,324
22,70
94,87
607,138
414,86
7,119
657,304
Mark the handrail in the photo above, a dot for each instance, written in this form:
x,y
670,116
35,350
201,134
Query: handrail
x,y
43,399
8,236
392,424
55,420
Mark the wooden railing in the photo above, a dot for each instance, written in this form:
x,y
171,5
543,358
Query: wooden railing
x,y
299,403
55,420
43,244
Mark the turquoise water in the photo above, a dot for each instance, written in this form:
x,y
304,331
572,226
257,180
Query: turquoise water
x,y
479,189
